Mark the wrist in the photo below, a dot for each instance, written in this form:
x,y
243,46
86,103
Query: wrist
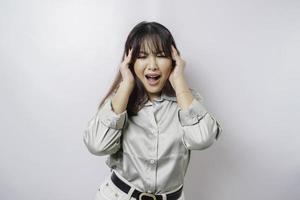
x,y
180,84
128,85
178,93
125,89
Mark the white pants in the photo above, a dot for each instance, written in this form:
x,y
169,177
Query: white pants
x,y
108,191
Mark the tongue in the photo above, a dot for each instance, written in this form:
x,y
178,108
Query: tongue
x,y
152,81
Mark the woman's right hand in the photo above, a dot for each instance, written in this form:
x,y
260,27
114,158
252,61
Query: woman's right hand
x,y
127,75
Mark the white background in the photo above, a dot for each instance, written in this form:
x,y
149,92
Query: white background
x,y
58,59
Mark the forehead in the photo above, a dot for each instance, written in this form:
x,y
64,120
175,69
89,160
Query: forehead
x,y
151,45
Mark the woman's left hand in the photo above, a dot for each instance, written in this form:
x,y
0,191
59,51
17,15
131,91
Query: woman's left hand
x,y
177,73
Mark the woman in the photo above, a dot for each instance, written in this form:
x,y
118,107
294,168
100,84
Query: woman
x,y
149,121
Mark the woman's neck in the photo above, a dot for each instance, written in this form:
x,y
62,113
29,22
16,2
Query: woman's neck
x,y
153,96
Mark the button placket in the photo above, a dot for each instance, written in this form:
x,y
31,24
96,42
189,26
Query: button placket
x,y
153,152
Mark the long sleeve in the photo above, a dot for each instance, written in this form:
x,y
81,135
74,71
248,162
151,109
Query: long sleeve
x,y
103,132
200,127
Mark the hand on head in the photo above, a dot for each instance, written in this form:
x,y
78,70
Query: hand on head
x,y
178,70
127,75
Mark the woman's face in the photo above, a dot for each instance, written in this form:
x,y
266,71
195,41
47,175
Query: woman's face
x,y
153,70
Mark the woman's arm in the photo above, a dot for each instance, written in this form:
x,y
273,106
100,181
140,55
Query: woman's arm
x,y
200,127
120,99
103,132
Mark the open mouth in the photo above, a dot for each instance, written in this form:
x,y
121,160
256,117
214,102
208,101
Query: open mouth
x,y
153,79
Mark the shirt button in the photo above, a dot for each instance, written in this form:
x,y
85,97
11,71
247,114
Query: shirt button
x,y
152,161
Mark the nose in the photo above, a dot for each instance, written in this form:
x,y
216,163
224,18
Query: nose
x,y
152,63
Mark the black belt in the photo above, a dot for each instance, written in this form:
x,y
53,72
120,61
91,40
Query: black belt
x,y
143,195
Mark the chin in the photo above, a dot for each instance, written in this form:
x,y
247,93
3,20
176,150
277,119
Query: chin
x,y
156,89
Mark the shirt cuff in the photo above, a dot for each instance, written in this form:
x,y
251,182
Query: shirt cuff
x,y
111,119
220,127
192,114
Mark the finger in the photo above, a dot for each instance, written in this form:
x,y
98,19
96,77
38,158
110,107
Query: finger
x,y
174,53
128,56
130,53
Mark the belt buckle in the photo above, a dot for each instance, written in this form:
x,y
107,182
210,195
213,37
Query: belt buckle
x,y
145,194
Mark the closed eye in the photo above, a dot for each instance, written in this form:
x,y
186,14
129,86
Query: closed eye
x,y
158,55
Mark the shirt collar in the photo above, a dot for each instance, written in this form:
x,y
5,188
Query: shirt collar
x,y
161,98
